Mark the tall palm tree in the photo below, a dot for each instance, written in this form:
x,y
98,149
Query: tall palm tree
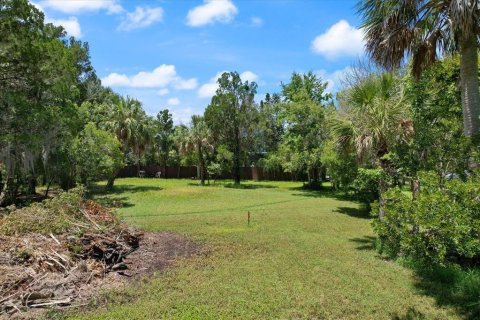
x,y
141,136
423,29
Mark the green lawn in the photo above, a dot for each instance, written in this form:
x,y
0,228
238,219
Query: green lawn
x,y
306,255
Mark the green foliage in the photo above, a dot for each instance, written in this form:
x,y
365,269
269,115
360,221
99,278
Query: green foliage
x,y
437,142
366,185
442,225
54,215
232,115
341,166
164,135
97,154
301,117
373,117
214,170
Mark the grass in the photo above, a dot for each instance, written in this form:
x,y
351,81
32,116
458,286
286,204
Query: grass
x,y
306,255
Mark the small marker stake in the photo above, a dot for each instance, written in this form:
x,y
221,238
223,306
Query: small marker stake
x,y
248,218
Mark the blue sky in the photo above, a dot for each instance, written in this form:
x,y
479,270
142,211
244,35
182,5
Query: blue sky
x,y
168,53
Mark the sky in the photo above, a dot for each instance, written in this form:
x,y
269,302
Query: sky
x,y
168,54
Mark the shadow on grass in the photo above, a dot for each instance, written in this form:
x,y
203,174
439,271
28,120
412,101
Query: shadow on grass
x,y
366,243
126,188
234,186
114,202
411,314
361,213
249,186
450,286
323,192
116,198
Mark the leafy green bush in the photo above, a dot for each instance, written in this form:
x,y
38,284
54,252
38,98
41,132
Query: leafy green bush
x,y
442,225
366,185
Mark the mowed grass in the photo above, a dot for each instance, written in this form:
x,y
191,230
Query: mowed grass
x,y
305,255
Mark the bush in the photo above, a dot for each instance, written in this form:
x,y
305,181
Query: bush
x,y
366,185
442,225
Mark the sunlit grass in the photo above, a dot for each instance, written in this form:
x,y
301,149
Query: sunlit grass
x,y
305,255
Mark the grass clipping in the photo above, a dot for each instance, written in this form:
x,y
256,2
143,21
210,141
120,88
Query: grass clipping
x,y
50,252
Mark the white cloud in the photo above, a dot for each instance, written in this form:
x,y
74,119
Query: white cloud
x,y
248,76
163,92
71,25
182,115
173,102
212,11
141,18
208,89
341,39
256,22
160,77
77,6
116,80
334,79
189,84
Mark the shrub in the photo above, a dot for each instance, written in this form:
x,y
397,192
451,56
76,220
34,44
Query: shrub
x,y
366,185
442,225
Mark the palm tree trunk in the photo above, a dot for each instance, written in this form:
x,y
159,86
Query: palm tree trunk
x,y
470,86
201,162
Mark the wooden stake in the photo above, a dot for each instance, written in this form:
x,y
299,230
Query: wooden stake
x,y
248,218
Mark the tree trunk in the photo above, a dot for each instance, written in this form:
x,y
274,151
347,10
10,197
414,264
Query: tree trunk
x,y
32,185
236,157
8,193
138,168
49,183
470,86
415,187
110,182
201,162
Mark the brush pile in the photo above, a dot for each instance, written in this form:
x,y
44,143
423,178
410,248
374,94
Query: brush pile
x,y
52,252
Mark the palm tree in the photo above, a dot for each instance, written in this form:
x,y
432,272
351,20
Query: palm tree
x,y
141,135
198,140
423,29
373,117
124,117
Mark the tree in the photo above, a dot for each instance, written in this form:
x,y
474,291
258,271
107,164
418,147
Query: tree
x,y
122,120
437,143
198,141
97,155
229,116
41,75
303,120
422,29
164,136
373,116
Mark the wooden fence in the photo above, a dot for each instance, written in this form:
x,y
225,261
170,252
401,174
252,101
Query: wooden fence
x,y
247,173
